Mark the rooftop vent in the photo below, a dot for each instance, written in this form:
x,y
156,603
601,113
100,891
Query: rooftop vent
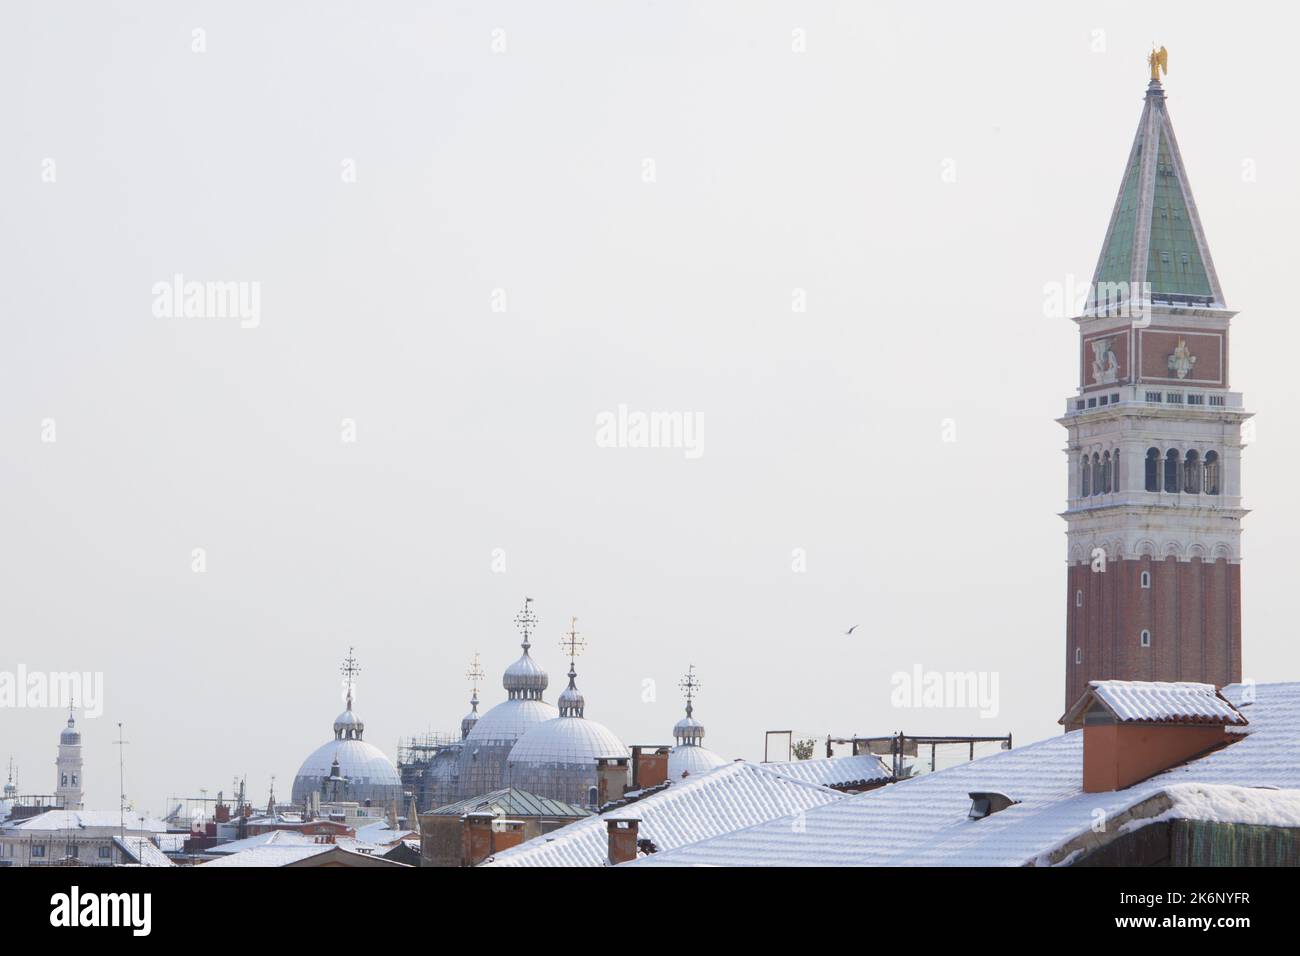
x,y
986,802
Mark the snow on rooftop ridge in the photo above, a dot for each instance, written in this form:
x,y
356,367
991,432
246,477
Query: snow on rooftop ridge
x,y
1158,702
732,797
834,771
923,822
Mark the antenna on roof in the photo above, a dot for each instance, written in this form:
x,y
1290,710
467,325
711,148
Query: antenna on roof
x,y
121,781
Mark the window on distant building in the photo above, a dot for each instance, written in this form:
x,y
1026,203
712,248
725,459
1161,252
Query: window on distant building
x,y
1085,477
1078,599
1171,471
1146,638
1211,472
1192,473
1146,579
105,852
1078,655
1153,469
38,850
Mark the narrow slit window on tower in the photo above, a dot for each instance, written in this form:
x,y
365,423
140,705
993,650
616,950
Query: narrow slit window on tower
x,y
1146,579
1145,638
1153,469
1078,655
1096,473
1085,472
1105,473
1078,599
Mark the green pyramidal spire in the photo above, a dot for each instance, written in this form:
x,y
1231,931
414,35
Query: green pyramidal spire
x,y
1155,234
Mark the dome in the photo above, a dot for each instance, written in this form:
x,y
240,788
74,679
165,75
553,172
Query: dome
x,y
691,760
348,724
688,730
369,773
525,675
366,773
566,741
510,720
468,721
557,759
70,734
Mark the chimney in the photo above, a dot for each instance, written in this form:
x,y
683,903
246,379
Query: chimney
x,y
476,837
611,779
507,833
622,839
1133,730
649,769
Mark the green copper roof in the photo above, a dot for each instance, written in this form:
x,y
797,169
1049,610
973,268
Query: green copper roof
x,y
1155,232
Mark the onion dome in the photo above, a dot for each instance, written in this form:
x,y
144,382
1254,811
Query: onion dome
x,y
70,734
557,759
571,702
368,772
348,725
690,757
469,720
525,679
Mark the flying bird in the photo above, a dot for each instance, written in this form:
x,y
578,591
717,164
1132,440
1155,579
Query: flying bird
x,y
849,632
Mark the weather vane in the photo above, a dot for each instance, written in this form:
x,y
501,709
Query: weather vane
x,y
573,643
474,674
526,620
1158,61
350,670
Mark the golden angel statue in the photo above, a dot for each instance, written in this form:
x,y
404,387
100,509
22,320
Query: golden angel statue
x,y
1159,63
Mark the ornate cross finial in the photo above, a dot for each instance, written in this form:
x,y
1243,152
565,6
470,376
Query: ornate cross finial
x,y
526,621
1158,61
350,670
572,643
690,684
474,674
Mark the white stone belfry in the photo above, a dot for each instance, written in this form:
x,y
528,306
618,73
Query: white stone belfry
x,y
68,791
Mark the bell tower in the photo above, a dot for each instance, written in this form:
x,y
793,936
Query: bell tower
x,y
69,789
1154,512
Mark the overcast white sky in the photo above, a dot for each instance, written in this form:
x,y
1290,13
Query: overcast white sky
x,y
523,171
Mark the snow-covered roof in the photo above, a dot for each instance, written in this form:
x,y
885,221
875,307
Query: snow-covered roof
x,y
142,852
349,854
511,801
736,795
87,820
1158,702
835,771
269,838
380,833
924,821
271,855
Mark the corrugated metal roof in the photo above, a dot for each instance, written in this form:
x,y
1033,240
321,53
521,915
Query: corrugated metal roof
x,y
512,801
